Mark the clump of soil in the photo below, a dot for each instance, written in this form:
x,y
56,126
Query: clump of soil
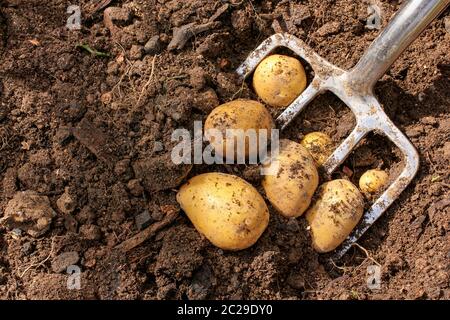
x,y
75,128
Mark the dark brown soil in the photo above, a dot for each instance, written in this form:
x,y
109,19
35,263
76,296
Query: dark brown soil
x,y
76,128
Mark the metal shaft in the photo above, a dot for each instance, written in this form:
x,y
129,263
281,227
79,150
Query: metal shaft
x,y
406,26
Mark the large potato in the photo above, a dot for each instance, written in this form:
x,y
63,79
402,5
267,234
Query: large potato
x,y
292,184
336,211
226,209
279,79
238,114
319,145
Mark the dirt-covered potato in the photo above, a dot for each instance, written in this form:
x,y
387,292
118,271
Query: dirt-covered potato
x,y
226,209
319,145
373,181
279,79
238,114
291,185
335,212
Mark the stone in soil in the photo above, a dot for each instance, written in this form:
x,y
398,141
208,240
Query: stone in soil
x,y
64,260
116,15
143,220
30,212
153,45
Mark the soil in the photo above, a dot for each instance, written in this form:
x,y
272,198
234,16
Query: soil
x,y
76,130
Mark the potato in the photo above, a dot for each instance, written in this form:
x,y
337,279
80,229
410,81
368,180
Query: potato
x,y
373,181
335,212
226,209
238,114
319,145
294,181
279,79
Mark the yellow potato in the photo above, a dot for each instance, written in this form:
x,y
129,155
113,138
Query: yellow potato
x,y
226,209
373,181
294,180
319,145
238,114
279,79
335,212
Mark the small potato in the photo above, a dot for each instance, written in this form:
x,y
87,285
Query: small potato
x,y
335,212
279,79
294,180
226,209
240,114
319,145
373,181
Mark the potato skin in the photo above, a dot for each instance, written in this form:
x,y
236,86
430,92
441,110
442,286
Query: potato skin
x,y
226,209
373,181
290,190
334,214
238,114
319,145
279,79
